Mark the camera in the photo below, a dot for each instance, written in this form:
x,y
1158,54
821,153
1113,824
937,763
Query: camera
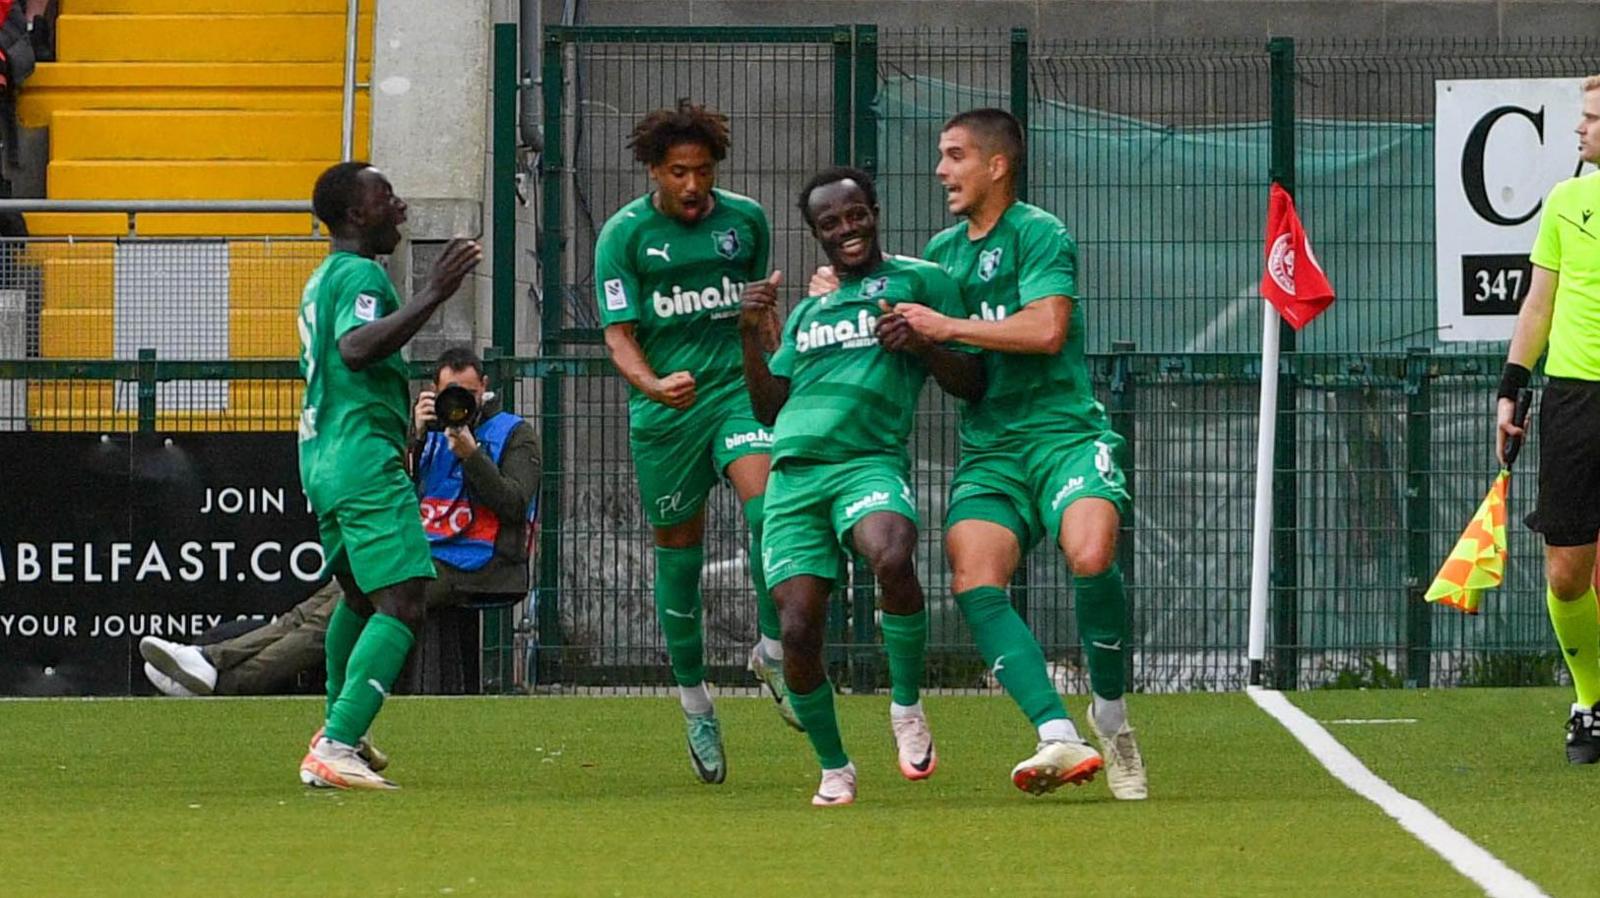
x,y
453,407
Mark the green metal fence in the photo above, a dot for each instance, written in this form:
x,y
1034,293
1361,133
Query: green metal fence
x,y
1158,156
1394,456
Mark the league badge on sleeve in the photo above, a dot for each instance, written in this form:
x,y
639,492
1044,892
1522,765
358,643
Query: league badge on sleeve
x,y
616,295
989,263
727,242
367,307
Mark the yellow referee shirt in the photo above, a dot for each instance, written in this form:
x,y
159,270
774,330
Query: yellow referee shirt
x,y
1569,245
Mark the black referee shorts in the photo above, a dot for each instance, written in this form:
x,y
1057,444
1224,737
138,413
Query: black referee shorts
x,y
1568,509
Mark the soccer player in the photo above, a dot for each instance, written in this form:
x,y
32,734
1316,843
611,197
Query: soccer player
x,y
353,427
1038,455
669,269
1562,312
841,392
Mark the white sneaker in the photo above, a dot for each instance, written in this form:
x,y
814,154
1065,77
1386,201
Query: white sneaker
x,y
918,758
370,755
1125,770
838,787
330,765
1055,764
184,663
166,684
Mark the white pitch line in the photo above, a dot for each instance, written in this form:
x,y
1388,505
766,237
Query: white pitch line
x,y
1370,721
1471,860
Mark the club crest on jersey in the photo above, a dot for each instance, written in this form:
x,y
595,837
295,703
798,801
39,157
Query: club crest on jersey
x,y
989,263
727,243
872,288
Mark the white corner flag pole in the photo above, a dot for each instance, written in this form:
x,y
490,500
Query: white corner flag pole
x,y
1261,548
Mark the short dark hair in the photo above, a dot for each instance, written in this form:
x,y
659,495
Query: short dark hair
x,y
338,190
997,129
663,129
833,176
457,358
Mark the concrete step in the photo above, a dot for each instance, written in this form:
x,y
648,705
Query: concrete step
x,y
179,180
207,38
281,136
79,224
211,7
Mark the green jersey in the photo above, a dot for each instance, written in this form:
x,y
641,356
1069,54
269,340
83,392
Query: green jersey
x,y
680,285
1027,256
351,422
848,398
1569,245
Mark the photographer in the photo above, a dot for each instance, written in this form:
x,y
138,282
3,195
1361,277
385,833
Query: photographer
x,y
477,482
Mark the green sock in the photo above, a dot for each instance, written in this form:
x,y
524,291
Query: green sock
x,y
766,609
677,590
374,663
1008,647
1578,630
905,637
344,628
815,710
1101,608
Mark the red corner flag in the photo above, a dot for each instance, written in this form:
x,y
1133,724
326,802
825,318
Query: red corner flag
x,y
1293,282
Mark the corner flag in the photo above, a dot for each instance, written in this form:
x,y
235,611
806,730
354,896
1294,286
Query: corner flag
x,y
1293,281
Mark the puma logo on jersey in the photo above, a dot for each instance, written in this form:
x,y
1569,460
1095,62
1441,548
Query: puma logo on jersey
x,y
662,252
851,334
723,301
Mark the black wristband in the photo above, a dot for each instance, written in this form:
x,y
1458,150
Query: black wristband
x,y
1512,379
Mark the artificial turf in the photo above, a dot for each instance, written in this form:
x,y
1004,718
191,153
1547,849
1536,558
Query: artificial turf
x,y
595,796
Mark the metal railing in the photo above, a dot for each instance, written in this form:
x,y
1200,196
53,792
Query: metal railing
x,y
134,208
1395,452
347,118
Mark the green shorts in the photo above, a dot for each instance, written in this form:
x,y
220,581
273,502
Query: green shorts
x,y
376,536
677,469
1027,491
810,509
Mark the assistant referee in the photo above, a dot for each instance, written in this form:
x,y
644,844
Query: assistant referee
x,y
1562,313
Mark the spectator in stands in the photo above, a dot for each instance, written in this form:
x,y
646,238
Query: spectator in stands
x,y
478,484
41,23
